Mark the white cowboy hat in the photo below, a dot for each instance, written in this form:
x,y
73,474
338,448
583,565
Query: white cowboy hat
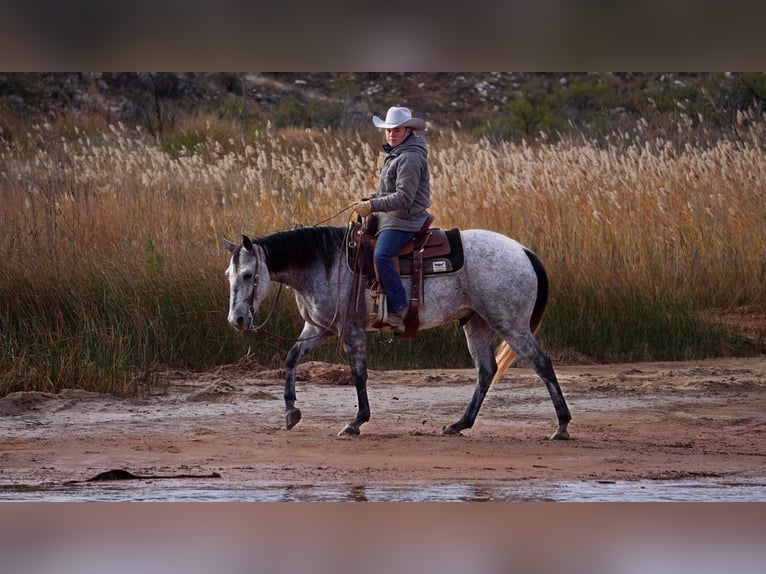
x,y
399,118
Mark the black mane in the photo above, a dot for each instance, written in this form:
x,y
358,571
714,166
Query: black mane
x,y
301,248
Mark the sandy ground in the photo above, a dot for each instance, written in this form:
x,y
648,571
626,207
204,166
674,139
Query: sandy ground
x,y
630,422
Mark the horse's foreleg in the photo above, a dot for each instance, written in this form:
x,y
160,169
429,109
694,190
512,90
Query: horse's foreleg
x,y
310,337
480,338
355,346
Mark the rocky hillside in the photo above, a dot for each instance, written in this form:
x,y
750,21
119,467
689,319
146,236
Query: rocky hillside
x,y
503,104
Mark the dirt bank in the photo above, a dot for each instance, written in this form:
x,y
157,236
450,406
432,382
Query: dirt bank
x,y
630,422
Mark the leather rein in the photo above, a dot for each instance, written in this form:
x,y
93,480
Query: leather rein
x,y
251,299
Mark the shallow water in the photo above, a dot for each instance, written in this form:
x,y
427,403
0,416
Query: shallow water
x,y
697,490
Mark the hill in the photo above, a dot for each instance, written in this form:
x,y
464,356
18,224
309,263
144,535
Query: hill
x,y
507,105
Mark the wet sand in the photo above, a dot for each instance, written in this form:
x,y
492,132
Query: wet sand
x,y
632,423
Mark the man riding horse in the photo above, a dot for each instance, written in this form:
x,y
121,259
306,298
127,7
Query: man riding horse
x,y
403,196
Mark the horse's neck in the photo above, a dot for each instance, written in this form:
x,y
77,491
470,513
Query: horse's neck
x,y
310,280
304,274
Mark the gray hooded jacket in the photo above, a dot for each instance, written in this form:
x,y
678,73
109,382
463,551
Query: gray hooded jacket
x,y
404,191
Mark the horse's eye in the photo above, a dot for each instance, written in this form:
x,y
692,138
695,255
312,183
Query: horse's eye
x,y
247,276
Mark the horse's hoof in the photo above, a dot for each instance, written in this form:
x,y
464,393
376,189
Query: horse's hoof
x,y
451,430
292,417
560,435
349,430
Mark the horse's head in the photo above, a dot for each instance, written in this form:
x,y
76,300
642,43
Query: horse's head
x,y
248,282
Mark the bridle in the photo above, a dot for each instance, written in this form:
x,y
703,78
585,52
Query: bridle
x,y
251,299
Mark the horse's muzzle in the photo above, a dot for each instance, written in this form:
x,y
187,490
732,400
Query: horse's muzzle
x,y
240,322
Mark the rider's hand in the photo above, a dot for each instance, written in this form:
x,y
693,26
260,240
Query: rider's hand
x,y
363,208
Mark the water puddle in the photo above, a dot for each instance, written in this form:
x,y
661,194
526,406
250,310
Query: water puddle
x,y
691,490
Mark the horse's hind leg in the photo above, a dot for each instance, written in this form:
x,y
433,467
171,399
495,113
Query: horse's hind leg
x,y
310,337
527,348
480,338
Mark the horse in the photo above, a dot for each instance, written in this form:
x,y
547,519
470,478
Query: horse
x,y
502,288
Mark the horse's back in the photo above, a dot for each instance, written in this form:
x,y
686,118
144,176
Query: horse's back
x,y
494,251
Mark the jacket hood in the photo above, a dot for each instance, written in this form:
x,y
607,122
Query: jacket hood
x,y
414,143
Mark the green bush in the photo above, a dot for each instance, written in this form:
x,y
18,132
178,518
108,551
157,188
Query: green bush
x,y
183,143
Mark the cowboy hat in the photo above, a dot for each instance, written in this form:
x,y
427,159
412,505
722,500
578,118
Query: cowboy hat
x,y
399,118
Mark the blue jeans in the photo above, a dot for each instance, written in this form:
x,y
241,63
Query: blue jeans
x,y
390,242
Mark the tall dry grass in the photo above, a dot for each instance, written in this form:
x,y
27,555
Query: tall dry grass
x,y
111,264
638,214
639,235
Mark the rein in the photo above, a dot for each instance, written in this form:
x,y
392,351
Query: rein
x,y
279,292
344,210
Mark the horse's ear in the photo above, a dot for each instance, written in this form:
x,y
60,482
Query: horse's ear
x,y
230,247
247,244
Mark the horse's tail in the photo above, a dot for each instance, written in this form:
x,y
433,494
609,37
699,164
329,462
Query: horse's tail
x,y
504,355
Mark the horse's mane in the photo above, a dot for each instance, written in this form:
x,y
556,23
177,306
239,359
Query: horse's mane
x,y
302,247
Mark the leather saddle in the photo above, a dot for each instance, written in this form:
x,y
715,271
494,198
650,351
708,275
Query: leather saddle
x,y
431,251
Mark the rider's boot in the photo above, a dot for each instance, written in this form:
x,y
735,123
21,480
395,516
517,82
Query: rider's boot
x,y
395,320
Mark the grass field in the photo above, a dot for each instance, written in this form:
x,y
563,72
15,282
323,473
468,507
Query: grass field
x,y
111,265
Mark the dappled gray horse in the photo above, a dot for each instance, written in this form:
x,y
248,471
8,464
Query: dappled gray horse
x,y
502,288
